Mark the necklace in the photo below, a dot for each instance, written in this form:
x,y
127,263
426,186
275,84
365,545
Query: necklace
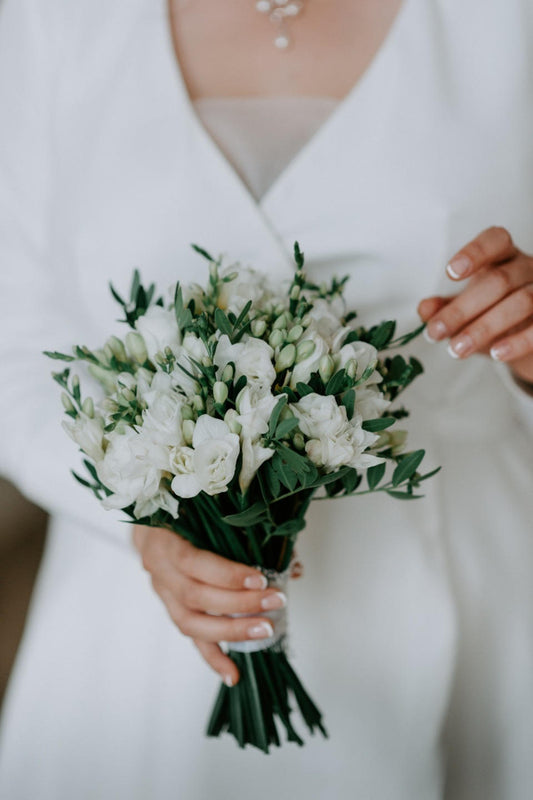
x,y
280,12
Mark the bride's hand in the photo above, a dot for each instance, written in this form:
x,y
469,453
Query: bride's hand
x,y
494,312
199,588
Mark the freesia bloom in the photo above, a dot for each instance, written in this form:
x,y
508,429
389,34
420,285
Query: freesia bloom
x,y
88,433
159,329
252,358
211,465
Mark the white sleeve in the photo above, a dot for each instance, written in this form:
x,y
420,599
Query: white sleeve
x,y
522,401
34,452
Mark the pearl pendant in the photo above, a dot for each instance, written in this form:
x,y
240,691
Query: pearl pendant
x,y
279,12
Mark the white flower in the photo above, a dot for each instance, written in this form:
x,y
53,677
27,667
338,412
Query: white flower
x,y
88,433
252,358
364,354
334,441
162,500
370,402
304,369
246,285
326,317
159,329
162,419
319,416
131,469
211,466
255,409
181,376
194,347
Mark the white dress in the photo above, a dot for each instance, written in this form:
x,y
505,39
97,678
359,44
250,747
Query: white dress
x,y
413,627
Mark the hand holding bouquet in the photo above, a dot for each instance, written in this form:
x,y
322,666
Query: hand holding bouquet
x,y
226,411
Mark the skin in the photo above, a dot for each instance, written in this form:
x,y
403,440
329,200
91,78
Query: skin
x,y
495,309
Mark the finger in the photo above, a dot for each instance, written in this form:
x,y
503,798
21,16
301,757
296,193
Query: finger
x,y
513,347
199,564
219,661
203,597
495,284
492,246
430,306
481,333
209,628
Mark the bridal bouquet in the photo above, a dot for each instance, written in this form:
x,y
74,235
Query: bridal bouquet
x,y
225,411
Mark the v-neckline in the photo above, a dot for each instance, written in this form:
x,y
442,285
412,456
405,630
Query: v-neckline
x,y
359,89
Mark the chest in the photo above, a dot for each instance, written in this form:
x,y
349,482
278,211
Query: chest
x,y
227,49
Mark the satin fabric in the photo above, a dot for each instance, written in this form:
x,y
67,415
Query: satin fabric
x,y
413,627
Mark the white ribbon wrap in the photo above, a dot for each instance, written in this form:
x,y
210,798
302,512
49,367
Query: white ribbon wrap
x,y
279,580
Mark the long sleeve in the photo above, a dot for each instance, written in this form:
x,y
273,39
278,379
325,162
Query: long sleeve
x,y
34,452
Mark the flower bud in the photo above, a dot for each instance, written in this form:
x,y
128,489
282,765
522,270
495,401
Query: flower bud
x,y
281,322
397,440
88,407
75,382
230,418
187,428
213,271
231,277
138,420
117,348
275,339
108,353
295,293
351,368
304,350
206,361
187,412
258,327
67,402
279,309
135,347
306,320
220,392
227,373
295,333
298,441
198,402
286,357
326,367
128,395
126,380
104,377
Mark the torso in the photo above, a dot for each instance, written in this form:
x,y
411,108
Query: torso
x,y
226,49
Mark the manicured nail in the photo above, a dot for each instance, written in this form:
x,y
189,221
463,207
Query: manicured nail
x,y
228,680
462,347
427,337
263,630
273,601
458,267
452,352
500,352
436,330
257,581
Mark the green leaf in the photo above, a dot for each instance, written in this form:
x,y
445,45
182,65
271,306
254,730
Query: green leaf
x,y
223,323
289,528
348,401
403,495
250,516
379,424
351,481
407,466
303,389
272,425
374,475
285,427
135,286
336,382
428,475
242,316
298,256
116,295
203,252
183,315
381,335
58,356
408,337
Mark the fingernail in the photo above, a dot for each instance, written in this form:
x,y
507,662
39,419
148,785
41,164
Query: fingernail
x,y
436,330
427,337
458,266
273,601
452,352
257,581
263,630
462,347
228,680
500,352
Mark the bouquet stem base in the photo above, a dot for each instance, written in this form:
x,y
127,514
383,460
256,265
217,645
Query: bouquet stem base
x,y
249,711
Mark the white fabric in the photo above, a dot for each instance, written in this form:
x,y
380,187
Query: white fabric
x,y
413,626
261,135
